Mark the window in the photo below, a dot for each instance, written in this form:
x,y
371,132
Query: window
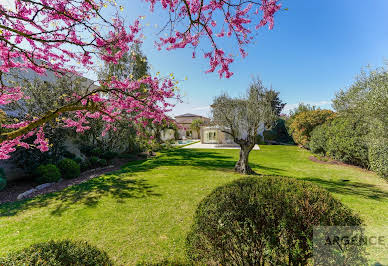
x,y
212,135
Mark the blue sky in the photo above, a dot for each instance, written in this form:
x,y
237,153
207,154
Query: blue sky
x,y
315,49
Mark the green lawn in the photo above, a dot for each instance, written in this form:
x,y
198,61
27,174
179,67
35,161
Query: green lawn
x,y
143,212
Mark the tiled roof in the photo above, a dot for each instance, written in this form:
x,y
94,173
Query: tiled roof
x,y
188,115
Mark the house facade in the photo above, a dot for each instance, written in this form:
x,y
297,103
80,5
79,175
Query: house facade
x,y
184,125
214,135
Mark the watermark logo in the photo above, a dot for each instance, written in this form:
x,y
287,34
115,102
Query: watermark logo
x,y
350,245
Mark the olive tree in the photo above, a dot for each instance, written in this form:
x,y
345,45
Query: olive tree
x,y
241,118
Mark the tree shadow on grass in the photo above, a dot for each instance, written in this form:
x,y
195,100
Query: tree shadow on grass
x,y
207,160
88,194
346,187
119,185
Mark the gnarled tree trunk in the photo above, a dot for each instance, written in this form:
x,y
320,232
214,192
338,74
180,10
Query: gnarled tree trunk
x,y
242,165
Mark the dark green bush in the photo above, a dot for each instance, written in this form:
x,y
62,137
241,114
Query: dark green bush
x,y
109,155
68,154
343,139
47,173
102,163
69,168
94,161
263,221
85,165
3,179
378,156
278,133
347,142
97,152
86,149
78,160
319,137
259,139
63,252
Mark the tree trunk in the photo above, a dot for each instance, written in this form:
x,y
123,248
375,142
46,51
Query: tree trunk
x,y
242,165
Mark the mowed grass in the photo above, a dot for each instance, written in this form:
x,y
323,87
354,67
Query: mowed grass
x,y
141,214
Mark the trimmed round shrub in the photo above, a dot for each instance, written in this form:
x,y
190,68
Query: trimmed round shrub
x,y
93,161
69,168
47,173
263,221
63,252
378,156
102,162
85,165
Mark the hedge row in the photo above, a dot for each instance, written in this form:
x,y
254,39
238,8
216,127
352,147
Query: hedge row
x,y
342,139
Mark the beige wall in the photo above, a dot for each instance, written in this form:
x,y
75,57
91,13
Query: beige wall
x,y
207,136
185,124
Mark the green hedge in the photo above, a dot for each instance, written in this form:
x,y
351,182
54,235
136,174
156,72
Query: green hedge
x,y
319,137
59,253
343,139
264,221
3,179
47,173
69,168
378,156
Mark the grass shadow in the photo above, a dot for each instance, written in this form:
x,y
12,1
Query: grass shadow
x,y
120,185
205,159
87,193
346,187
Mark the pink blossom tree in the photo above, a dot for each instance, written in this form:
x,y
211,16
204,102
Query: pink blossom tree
x,y
71,36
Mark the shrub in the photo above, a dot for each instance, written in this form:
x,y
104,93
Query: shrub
x,y
97,152
85,165
343,139
68,154
78,160
86,149
3,179
378,156
109,155
102,162
93,161
346,141
278,133
259,139
63,252
304,123
47,173
319,136
69,168
263,221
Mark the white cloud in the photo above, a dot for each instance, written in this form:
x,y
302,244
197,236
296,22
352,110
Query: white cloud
x,y
289,107
202,108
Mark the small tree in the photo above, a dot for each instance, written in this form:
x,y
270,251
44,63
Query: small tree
x,y
196,126
272,97
304,123
241,118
